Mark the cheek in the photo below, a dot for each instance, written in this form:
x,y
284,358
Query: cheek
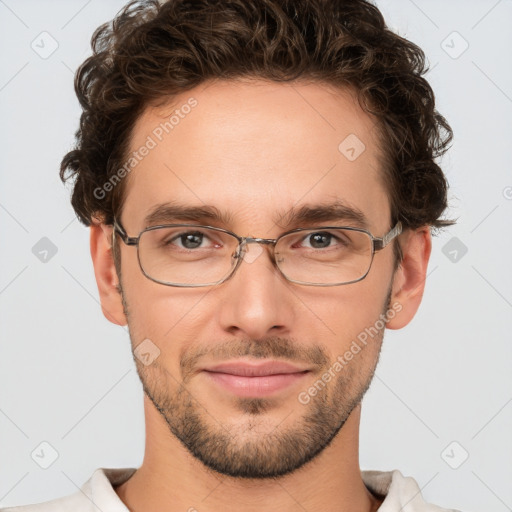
x,y
153,308
340,313
163,314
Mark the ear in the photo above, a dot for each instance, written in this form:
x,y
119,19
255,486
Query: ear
x,y
105,272
410,276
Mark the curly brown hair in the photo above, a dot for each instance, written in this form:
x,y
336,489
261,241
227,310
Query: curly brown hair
x,y
154,50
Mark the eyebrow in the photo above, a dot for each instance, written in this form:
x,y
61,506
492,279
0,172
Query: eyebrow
x,y
330,212
172,212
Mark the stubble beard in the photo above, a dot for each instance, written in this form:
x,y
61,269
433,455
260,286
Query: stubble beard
x,y
253,451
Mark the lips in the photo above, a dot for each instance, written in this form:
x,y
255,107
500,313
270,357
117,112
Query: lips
x,y
255,369
255,379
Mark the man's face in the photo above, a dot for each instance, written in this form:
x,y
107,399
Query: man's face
x,y
254,151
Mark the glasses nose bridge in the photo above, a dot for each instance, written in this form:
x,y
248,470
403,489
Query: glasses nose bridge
x,y
245,240
252,240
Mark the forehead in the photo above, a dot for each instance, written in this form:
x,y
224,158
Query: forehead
x,y
253,148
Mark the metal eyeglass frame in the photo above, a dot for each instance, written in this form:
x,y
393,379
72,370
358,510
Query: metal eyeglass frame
x,y
378,243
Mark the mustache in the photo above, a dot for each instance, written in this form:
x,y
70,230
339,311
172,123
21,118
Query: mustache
x,y
267,348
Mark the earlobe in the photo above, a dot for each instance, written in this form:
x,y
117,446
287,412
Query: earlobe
x,y
105,273
409,279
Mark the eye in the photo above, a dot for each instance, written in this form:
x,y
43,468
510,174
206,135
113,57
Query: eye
x,y
322,240
190,240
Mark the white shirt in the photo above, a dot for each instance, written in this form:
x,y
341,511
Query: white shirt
x,y
402,494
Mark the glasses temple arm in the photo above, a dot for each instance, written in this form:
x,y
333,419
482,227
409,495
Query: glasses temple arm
x,y
380,243
122,233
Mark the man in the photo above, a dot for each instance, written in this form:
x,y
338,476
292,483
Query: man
x,y
260,183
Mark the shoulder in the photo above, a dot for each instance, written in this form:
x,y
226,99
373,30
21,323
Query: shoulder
x,y
77,502
97,491
400,492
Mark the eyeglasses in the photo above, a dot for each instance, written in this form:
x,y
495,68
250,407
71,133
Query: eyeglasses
x,y
191,255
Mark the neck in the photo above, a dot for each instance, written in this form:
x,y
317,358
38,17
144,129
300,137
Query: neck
x,y
171,479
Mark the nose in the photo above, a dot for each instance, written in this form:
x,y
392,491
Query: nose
x,y
257,300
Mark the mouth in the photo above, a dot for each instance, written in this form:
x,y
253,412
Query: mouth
x,y
246,379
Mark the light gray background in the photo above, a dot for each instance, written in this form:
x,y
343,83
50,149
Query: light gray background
x,y
67,376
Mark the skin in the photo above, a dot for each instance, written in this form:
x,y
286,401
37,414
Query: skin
x,y
254,148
